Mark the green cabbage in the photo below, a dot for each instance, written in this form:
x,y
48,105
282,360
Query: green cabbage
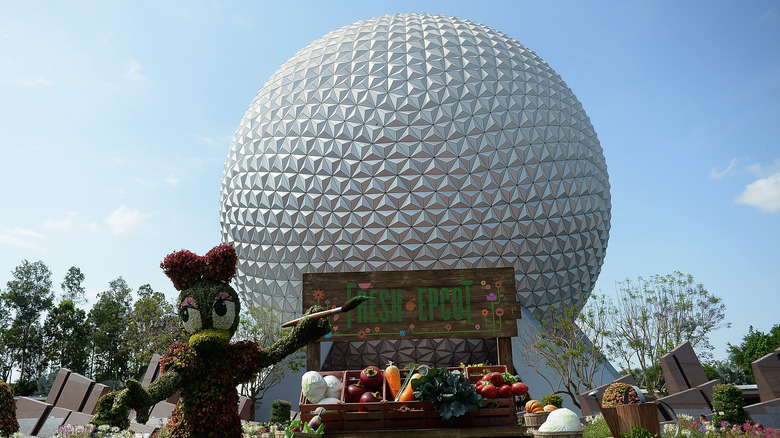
x,y
313,386
561,420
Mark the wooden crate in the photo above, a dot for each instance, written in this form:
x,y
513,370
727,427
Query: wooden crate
x,y
362,415
476,373
332,417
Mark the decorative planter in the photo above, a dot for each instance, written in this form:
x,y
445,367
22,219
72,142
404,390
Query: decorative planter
x,y
535,420
644,415
538,434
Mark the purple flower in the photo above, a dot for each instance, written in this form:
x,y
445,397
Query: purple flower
x,y
491,296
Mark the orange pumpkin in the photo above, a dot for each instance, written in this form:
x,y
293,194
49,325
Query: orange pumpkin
x,y
550,408
534,406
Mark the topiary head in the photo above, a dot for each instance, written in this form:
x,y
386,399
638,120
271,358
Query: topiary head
x,y
619,393
208,307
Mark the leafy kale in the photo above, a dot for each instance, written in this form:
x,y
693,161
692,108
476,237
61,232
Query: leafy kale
x,y
450,390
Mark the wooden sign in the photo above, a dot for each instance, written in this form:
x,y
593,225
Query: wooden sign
x,y
457,303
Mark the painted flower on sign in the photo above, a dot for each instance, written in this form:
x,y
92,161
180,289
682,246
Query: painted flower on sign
x,y
492,297
500,311
318,294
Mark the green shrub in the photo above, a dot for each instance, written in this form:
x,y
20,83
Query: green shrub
x,y
24,387
280,412
8,423
553,399
727,405
596,428
638,432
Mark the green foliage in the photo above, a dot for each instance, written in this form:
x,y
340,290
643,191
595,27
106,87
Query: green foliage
x,y
72,289
8,423
152,326
66,334
727,405
108,317
451,391
280,412
303,427
596,428
654,316
106,415
727,372
553,399
638,432
24,387
571,343
27,296
755,345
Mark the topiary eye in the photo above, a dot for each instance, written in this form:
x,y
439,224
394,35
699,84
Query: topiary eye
x,y
223,311
190,315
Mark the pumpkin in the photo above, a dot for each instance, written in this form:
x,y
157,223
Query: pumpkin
x,y
549,408
534,406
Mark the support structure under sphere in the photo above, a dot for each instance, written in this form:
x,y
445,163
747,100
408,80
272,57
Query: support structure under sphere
x,y
416,141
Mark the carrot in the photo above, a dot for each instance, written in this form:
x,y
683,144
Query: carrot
x,y
393,377
408,393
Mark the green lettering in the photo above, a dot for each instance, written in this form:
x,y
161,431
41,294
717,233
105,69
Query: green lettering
x,y
468,283
421,304
444,296
457,303
372,305
397,304
349,297
384,293
433,301
362,315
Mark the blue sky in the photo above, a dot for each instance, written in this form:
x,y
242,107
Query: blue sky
x,y
116,118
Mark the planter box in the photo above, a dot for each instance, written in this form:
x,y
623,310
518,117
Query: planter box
x,y
389,414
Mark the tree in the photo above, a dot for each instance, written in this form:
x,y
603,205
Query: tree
x,y
110,357
5,354
27,296
152,326
755,345
264,326
571,344
66,334
72,289
652,317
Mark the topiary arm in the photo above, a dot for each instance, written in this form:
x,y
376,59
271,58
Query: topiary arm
x,y
163,387
305,332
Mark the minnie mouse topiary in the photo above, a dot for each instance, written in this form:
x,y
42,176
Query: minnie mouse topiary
x,y
208,368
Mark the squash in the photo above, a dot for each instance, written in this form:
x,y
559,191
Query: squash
x,y
393,377
534,406
408,393
550,408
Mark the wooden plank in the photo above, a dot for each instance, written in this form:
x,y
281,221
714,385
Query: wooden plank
x,y
313,356
446,432
504,346
449,303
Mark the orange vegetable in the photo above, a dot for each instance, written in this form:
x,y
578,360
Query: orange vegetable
x,y
550,408
408,392
393,377
534,406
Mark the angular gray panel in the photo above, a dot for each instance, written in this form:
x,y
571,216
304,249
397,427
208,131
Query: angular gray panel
x,y
416,141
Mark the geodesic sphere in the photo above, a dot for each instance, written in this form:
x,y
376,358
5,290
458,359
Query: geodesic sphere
x,y
412,142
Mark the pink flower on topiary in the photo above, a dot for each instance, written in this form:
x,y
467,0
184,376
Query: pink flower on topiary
x,y
614,395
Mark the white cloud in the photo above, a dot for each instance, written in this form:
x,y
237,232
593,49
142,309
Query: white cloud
x,y
763,194
20,237
34,82
123,220
731,168
134,72
172,179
